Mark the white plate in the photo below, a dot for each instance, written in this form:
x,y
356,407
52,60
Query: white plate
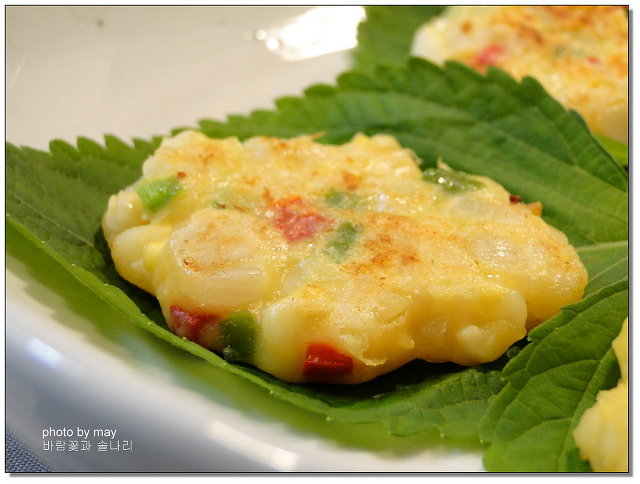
x,y
138,72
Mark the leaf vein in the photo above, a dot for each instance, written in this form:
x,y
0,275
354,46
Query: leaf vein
x,y
44,216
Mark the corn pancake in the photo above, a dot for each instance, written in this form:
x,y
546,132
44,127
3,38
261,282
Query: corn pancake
x,y
578,53
602,435
336,264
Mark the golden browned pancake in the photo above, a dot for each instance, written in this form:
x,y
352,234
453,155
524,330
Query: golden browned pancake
x,y
336,263
578,53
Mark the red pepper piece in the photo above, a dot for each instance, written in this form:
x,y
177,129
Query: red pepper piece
x,y
515,199
297,220
189,325
488,56
323,363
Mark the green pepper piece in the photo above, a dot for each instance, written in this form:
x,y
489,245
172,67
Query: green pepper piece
x,y
238,335
341,199
343,240
156,193
227,198
451,180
